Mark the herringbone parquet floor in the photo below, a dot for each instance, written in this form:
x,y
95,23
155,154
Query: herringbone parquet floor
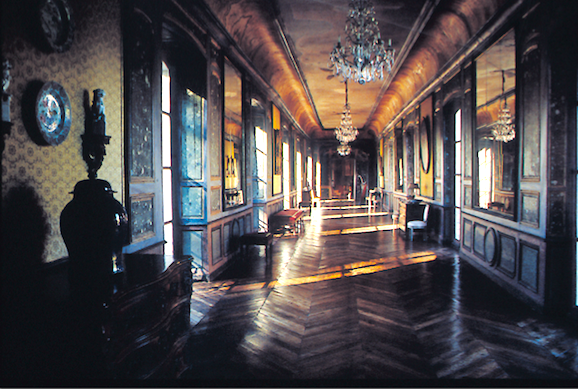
x,y
349,302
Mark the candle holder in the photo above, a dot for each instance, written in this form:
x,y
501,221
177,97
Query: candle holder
x,y
6,97
95,138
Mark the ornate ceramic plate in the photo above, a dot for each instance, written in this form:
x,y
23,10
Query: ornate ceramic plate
x,y
53,115
56,24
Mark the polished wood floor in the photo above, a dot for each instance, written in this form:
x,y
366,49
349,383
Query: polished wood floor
x,y
350,302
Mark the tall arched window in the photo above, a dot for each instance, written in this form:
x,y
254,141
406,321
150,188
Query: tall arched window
x,y
167,160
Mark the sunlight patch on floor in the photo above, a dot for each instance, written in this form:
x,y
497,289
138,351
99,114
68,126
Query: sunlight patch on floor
x,y
360,230
336,272
317,215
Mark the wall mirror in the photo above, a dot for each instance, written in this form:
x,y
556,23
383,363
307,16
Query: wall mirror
x,y
496,136
233,155
399,168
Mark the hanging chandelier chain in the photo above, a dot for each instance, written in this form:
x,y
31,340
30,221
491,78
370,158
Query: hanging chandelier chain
x,y
345,133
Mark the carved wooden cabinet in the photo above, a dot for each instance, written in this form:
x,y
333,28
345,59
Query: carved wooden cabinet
x,y
408,211
147,320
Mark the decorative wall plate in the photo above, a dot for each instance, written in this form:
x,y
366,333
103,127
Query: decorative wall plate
x,y
56,24
491,251
424,143
53,115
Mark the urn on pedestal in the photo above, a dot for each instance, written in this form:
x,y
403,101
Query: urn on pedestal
x,y
94,224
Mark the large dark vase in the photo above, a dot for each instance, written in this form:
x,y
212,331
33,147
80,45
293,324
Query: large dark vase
x,y
94,226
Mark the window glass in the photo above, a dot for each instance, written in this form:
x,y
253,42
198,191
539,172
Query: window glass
x,y
167,160
457,173
261,151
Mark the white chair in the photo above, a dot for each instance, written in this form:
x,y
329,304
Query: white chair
x,y
369,201
373,200
419,225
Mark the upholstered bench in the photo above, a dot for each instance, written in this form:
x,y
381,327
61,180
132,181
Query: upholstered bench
x,y
264,238
291,218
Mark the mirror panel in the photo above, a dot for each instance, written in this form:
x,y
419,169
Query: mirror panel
x,y
496,137
233,162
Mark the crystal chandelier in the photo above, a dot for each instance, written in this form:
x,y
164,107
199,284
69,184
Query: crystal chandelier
x,y
345,133
504,130
344,149
364,57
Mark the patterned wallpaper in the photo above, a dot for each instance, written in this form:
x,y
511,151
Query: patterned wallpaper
x,y
93,61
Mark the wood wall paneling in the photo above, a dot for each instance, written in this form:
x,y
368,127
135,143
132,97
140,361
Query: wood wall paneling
x,y
508,254
479,237
467,234
216,246
215,122
529,265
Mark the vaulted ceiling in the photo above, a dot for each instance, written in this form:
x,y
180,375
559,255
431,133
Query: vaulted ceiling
x,y
289,42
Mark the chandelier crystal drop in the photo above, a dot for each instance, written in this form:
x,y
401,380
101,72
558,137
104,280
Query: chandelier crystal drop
x,y
504,130
344,149
363,57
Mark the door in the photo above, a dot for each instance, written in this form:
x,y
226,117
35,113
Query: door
x,y
143,168
189,180
184,111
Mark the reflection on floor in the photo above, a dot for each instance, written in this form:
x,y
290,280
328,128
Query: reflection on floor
x,y
350,302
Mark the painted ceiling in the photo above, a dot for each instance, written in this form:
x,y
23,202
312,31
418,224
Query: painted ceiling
x,y
289,42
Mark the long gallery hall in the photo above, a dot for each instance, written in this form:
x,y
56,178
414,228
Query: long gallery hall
x,y
289,193
349,301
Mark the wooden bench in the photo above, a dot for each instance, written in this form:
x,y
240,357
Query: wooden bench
x,y
292,218
264,238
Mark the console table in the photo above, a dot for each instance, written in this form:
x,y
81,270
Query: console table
x,y
408,211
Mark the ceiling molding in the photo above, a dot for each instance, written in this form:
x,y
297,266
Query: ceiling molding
x,y
289,50
461,57
424,16
206,20
443,45
255,32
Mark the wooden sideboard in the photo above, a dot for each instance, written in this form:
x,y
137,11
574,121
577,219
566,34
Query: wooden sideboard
x,y
56,336
408,211
146,321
